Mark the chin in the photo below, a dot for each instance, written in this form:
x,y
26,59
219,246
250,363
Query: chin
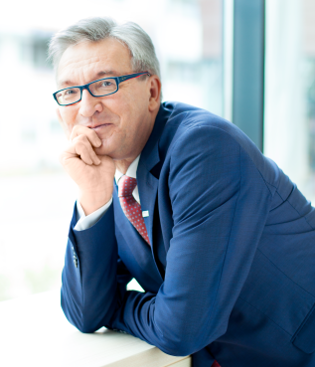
x,y
110,151
103,151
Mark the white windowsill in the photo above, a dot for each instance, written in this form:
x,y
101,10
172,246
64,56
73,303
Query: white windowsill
x,y
34,332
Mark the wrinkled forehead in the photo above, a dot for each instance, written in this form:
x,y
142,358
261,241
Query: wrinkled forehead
x,y
87,60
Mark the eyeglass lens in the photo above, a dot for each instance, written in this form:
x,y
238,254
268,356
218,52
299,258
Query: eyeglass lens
x,y
99,88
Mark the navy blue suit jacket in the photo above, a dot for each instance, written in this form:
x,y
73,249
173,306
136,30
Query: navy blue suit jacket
x,y
231,271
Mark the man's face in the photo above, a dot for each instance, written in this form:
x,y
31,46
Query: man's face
x,y
124,120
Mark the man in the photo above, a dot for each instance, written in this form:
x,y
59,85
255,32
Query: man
x,y
222,242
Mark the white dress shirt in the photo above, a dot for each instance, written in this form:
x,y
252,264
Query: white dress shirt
x,y
86,221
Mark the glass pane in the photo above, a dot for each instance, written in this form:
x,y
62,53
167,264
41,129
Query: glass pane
x,y
190,43
36,196
290,90
103,87
68,96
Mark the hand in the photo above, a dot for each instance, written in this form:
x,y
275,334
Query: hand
x,y
92,173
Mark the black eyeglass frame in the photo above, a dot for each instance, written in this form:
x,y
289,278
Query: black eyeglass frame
x,y
119,79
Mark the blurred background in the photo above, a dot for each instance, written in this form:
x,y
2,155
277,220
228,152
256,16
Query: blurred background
x,y
195,43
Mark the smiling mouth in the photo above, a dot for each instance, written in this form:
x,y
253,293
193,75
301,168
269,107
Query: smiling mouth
x,y
99,126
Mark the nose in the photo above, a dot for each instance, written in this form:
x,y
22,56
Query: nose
x,y
89,105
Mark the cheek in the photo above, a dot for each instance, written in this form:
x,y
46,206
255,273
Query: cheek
x,y
68,118
131,112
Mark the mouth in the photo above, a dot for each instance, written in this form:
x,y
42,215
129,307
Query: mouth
x,y
97,127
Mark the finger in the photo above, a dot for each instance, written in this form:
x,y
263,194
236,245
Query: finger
x,y
89,133
95,158
84,150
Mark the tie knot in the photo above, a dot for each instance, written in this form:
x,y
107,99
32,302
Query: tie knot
x,y
126,186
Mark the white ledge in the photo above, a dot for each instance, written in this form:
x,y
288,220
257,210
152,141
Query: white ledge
x,y
34,332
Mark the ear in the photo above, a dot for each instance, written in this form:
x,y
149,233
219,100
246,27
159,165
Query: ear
x,y
62,123
155,93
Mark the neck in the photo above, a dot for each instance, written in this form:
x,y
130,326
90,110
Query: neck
x,y
122,165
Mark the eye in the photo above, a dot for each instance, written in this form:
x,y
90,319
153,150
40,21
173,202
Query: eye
x,y
103,87
106,83
69,92
68,95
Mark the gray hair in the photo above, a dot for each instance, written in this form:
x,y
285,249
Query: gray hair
x,y
143,57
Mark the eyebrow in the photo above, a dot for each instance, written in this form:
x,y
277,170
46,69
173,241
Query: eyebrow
x,y
100,74
106,72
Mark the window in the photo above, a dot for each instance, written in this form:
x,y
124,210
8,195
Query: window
x,y
36,196
290,90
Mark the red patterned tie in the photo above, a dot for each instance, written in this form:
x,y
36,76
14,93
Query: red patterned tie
x,y
129,205
215,364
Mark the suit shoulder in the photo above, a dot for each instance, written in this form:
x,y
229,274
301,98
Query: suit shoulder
x,y
200,130
185,117
185,120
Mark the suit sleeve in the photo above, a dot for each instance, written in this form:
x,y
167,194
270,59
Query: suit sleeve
x,y
94,278
219,204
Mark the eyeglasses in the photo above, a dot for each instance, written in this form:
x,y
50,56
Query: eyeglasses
x,y
99,88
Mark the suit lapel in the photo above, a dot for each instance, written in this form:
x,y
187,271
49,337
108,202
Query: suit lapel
x,y
147,185
147,182
133,243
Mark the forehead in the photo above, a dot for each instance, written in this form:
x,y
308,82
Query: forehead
x,y
88,59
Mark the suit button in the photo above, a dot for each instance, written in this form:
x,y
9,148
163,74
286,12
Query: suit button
x,y
75,261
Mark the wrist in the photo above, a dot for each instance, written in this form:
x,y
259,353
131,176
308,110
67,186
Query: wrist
x,y
92,201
